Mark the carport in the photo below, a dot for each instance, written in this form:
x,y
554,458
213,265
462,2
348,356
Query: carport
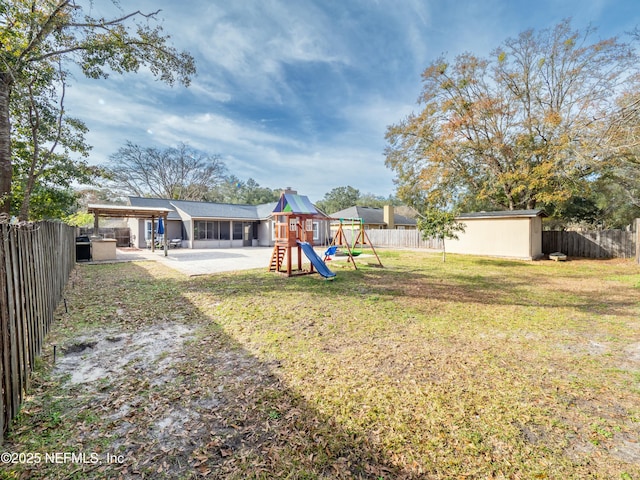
x,y
126,211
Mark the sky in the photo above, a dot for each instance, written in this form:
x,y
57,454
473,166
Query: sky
x,y
299,93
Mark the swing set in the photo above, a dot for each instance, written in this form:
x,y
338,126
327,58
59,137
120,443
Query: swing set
x,y
359,239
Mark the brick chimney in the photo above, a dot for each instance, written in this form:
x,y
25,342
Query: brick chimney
x,y
388,217
289,190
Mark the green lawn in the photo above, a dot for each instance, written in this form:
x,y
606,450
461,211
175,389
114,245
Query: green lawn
x,y
475,368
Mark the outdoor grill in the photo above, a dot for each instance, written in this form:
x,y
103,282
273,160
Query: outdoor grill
x,y
83,248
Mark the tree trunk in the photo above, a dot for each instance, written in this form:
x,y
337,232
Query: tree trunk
x,y
6,168
26,201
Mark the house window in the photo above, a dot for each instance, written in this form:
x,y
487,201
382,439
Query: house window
x,y
237,230
211,230
225,230
316,231
147,230
200,230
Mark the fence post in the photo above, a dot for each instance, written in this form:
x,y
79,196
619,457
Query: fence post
x,y
638,241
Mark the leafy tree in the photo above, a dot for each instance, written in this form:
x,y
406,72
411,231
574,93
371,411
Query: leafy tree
x,y
254,194
180,173
518,130
79,219
338,199
228,191
44,139
50,201
36,34
624,136
438,223
234,190
376,201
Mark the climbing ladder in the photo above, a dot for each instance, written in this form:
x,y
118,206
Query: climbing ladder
x,y
277,258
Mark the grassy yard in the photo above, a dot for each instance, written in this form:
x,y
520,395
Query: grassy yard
x,y
476,368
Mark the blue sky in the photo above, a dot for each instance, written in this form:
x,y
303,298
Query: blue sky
x,y
300,92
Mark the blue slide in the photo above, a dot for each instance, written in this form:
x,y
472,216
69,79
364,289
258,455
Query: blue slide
x,y
315,259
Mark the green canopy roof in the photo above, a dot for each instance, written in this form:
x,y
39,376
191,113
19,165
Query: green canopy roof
x,y
293,203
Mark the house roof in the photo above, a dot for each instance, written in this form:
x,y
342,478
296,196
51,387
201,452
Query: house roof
x,y
265,210
372,216
155,203
217,210
206,210
504,214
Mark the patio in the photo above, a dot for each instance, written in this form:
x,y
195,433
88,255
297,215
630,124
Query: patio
x,y
202,261
194,262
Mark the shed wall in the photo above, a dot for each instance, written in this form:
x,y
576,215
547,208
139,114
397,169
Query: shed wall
x,y
499,237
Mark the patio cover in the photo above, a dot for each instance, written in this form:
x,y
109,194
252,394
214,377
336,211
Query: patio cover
x,y
126,211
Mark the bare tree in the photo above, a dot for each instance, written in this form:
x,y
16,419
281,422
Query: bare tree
x,y
180,173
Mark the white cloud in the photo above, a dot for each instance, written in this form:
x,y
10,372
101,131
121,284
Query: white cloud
x,y
301,93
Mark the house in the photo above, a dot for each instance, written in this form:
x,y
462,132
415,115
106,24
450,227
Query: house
x,y
514,234
213,225
377,218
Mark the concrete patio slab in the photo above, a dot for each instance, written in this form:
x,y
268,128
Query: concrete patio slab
x,y
208,261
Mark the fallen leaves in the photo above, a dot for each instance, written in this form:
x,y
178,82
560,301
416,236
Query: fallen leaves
x,y
408,372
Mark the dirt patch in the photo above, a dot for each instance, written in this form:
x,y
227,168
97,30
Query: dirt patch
x,y
101,355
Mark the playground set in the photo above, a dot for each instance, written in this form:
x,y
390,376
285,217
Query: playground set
x,y
359,239
294,215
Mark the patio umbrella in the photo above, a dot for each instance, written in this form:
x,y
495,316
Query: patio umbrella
x,y
160,226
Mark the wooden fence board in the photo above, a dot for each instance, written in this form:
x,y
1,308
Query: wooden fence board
x,y
586,244
400,239
122,235
591,244
638,240
5,378
14,311
36,260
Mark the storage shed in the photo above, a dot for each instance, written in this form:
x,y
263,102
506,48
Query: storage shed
x,y
511,234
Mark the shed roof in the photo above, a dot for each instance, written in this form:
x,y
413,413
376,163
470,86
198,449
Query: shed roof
x,y
504,214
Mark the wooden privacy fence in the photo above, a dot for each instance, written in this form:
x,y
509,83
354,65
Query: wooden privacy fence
x,y
121,235
587,244
591,244
36,260
400,239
